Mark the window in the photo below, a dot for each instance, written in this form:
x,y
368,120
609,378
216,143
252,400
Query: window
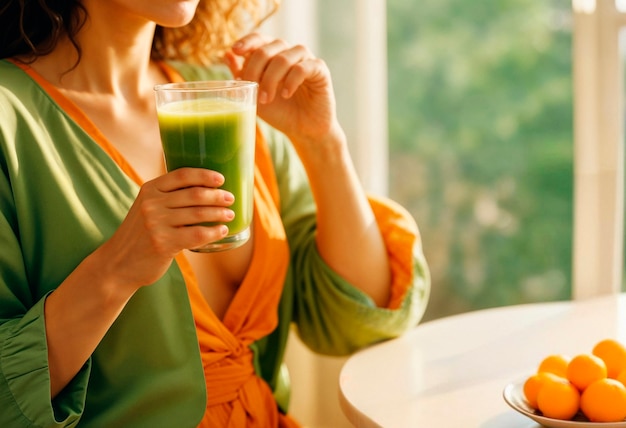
x,y
479,117
469,125
481,145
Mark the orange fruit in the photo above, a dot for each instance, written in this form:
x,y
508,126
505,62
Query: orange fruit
x,y
556,364
584,369
613,353
558,399
604,401
622,377
533,384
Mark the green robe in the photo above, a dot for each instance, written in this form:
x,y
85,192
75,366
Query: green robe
x,y
62,196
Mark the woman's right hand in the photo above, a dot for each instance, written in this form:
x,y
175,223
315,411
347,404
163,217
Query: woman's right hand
x,y
163,221
82,309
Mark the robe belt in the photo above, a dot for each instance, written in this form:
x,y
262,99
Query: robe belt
x,y
232,380
226,377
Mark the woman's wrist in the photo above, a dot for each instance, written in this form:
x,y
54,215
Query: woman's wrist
x,y
327,150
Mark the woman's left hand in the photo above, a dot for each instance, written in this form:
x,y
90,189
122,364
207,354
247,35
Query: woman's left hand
x,y
295,89
296,97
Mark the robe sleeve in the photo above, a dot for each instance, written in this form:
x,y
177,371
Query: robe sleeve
x,y
24,377
332,316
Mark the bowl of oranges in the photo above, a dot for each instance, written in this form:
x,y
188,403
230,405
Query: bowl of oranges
x,y
585,390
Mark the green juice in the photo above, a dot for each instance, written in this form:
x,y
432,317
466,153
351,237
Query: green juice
x,y
218,135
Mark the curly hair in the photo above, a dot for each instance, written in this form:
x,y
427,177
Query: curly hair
x,y
33,28
215,26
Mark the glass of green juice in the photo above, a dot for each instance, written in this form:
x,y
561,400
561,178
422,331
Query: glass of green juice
x,y
212,124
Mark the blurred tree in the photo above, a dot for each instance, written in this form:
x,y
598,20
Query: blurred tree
x,y
480,125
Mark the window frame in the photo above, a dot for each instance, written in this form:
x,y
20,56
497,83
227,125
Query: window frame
x,y
598,148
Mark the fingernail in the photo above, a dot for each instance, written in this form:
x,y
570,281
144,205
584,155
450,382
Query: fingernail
x,y
237,45
263,97
228,197
223,230
284,93
230,214
219,180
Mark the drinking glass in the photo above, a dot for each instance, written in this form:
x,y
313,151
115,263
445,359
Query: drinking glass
x,y
212,124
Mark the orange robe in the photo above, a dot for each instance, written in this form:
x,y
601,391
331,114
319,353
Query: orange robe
x,y
236,396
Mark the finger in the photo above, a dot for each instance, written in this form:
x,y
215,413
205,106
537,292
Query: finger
x,y
233,63
257,60
278,70
306,70
188,177
190,216
198,197
250,42
199,236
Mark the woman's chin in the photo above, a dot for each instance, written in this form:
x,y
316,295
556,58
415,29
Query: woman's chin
x,y
179,14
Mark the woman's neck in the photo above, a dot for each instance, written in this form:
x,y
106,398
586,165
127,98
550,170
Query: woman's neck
x,y
114,60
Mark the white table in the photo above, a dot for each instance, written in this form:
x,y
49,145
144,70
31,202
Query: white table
x,y
451,372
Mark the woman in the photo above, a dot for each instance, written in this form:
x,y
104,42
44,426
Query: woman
x,y
105,318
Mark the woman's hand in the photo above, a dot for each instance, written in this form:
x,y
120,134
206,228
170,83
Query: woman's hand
x,y
296,97
163,221
295,89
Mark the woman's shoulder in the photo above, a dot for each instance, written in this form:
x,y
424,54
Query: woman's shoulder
x,y
20,92
19,95
13,79
9,69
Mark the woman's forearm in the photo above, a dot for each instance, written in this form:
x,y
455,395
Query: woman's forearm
x,y
348,237
78,314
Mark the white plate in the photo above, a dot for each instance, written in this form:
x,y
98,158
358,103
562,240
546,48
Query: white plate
x,y
514,396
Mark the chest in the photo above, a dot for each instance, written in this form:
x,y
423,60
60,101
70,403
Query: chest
x,y
130,127
139,143
220,274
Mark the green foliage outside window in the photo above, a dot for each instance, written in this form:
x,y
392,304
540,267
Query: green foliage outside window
x,y
481,140
481,145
